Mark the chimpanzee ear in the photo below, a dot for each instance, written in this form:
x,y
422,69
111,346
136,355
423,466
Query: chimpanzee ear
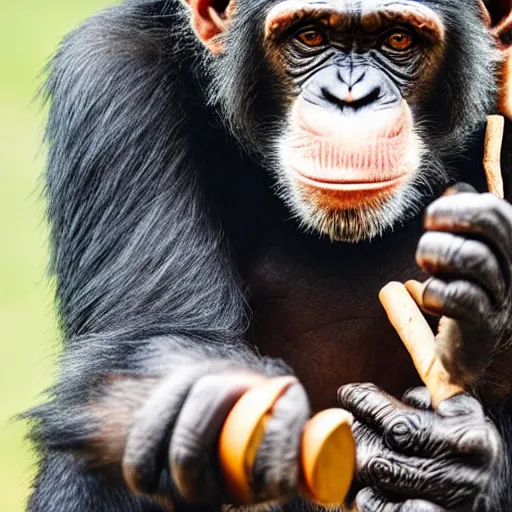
x,y
498,16
210,18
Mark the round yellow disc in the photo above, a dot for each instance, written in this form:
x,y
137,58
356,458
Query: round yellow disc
x,y
328,457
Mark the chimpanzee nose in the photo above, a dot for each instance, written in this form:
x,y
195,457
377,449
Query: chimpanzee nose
x,y
351,89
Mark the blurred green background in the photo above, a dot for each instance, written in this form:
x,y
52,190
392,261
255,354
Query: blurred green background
x,y
29,341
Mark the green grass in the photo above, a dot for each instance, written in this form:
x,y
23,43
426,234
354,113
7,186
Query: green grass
x,y
29,340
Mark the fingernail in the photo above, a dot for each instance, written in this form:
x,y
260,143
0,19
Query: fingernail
x,y
434,294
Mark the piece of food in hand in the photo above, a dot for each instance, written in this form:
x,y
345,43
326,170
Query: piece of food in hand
x,y
327,458
410,324
492,154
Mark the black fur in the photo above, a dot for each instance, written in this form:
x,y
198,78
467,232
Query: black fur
x,y
153,205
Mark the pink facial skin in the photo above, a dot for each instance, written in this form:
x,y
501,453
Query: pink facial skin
x,y
369,152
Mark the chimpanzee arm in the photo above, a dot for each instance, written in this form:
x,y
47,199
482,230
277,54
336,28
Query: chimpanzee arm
x,y
152,310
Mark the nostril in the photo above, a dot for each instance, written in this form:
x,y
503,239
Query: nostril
x,y
350,100
332,98
364,101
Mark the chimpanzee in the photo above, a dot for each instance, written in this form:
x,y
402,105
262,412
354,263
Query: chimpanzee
x,y
229,184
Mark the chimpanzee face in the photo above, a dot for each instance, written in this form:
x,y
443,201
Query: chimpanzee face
x,y
350,151
368,87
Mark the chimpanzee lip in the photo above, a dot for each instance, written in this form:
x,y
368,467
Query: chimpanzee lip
x,y
353,186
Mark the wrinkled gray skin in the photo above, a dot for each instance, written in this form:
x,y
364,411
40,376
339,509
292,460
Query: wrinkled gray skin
x,y
407,450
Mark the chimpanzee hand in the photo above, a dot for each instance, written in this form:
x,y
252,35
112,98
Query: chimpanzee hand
x,y
174,434
412,459
468,251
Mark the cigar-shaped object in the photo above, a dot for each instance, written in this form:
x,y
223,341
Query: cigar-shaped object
x,y
492,154
410,324
402,302
327,456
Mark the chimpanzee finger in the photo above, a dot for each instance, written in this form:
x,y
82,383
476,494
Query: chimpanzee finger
x,y
276,468
369,500
369,404
407,430
468,327
419,398
403,428
452,474
440,479
458,299
197,427
152,424
445,254
482,215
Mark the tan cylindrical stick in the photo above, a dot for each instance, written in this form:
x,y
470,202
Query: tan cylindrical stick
x,y
492,154
417,336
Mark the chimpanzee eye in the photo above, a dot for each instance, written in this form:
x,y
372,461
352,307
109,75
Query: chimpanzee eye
x,y
311,37
400,41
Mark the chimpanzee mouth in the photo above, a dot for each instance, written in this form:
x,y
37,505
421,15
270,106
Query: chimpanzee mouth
x,y
370,186
335,152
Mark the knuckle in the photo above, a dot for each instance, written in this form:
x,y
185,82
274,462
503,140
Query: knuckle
x,y
220,385
434,293
481,206
381,471
462,187
402,430
437,249
361,432
462,405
